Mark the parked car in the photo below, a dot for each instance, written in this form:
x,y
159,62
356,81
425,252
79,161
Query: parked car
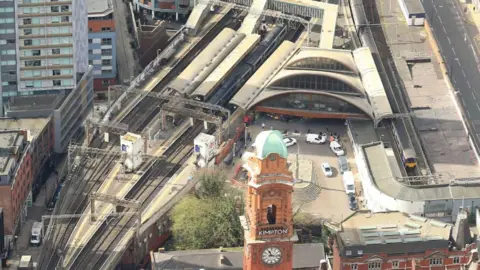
x,y
327,170
352,202
337,148
316,138
342,163
290,141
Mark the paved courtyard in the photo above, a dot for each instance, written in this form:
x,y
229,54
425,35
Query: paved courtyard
x,y
330,202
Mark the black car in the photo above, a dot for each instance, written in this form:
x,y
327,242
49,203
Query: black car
x,y
352,202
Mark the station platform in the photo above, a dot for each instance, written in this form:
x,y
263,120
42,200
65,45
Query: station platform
x,y
116,184
183,49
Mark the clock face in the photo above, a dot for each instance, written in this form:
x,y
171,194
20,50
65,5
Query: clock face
x,y
271,255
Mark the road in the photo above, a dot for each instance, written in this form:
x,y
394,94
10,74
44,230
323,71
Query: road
x,y
454,37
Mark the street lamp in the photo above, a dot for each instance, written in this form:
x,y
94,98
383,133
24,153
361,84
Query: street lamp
x,y
297,170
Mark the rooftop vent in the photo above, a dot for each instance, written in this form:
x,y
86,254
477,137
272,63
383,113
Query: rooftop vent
x,y
413,225
417,218
438,224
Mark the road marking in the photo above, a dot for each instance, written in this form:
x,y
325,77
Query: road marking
x,y
449,41
454,52
473,95
468,114
468,83
463,102
478,107
463,72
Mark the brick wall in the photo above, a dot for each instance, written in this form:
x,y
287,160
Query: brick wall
x,y
6,204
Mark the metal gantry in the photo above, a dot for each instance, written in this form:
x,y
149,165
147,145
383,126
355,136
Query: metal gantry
x,y
265,12
132,204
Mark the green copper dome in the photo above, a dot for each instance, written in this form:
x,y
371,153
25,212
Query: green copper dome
x,y
268,142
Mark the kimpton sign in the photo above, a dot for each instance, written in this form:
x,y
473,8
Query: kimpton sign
x,y
273,231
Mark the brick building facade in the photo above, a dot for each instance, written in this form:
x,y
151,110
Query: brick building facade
x,y
25,148
394,240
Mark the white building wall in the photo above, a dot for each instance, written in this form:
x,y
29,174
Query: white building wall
x,y
374,199
80,35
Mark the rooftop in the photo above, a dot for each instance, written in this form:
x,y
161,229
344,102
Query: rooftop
x,y
269,142
35,125
371,232
40,102
11,142
98,8
305,256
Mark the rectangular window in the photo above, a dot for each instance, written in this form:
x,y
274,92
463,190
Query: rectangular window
x,y
354,266
90,41
90,51
27,42
106,41
106,29
56,72
55,19
54,8
90,62
55,51
8,52
27,31
7,31
106,52
27,21
65,19
107,62
65,8
8,63
33,63
57,82
105,82
36,52
374,265
456,260
395,264
436,261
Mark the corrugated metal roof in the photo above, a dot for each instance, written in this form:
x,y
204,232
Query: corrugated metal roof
x,y
206,61
227,65
254,85
372,83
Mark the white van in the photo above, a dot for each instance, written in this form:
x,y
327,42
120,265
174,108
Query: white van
x,y
36,237
316,138
336,148
349,182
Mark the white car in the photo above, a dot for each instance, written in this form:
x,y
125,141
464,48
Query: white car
x,y
327,170
289,141
316,138
337,148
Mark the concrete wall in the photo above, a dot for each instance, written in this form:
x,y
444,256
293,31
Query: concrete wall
x,y
376,200
69,118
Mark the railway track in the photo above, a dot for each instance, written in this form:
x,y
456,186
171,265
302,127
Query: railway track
x,y
143,109
76,203
107,237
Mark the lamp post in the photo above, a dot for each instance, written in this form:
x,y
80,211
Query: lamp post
x,y
297,169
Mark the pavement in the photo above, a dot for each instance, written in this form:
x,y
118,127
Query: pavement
x,y
437,117
34,214
329,201
455,38
127,64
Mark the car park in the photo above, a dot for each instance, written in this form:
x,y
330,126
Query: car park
x,y
327,170
342,163
316,138
289,141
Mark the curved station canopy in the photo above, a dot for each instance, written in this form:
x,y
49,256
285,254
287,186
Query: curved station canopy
x,y
318,80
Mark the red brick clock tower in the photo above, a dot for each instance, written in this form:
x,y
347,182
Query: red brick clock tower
x,y
268,224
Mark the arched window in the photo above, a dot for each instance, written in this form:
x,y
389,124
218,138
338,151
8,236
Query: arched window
x,y
314,82
271,214
321,63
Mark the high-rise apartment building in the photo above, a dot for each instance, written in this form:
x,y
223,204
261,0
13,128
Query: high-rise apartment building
x,y
43,45
102,44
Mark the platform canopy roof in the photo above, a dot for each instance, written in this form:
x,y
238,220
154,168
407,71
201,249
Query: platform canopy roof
x,y
354,71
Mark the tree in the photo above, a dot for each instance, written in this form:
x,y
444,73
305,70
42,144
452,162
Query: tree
x,y
210,218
